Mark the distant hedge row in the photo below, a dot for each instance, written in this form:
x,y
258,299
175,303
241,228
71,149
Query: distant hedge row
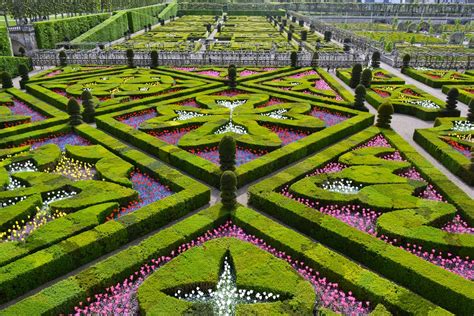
x,y
5,47
134,20
48,33
10,64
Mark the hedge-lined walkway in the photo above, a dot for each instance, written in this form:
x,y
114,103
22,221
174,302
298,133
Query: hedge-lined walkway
x,y
405,125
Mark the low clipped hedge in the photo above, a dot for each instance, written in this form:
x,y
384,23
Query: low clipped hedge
x,y
440,286
33,270
62,296
449,157
10,64
209,172
5,46
426,114
346,95
465,96
345,74
435,82
48,33
55,116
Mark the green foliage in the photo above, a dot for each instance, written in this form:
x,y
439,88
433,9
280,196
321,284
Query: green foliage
x,y
355,75
375,59
359,98
294,59
384,117
109,30
48,33
366,79
10,64
74,111
229,189
232,76
23,71
62,58
5,47
154,58
130,56
406,61
89,107
227,149
315,59
6,80
452,99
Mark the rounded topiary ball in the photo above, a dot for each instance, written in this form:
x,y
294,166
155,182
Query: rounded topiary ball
x,y
228,189
384,117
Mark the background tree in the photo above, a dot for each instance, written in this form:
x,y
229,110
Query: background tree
x,y
359,98
366,77
130,56
294,59
23,71
228,189
89,108
375,59
227,149
384,114
74,111
355,75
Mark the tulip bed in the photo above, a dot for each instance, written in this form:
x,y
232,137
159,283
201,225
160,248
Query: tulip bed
x,y
379,76
438,78
450,142
189,256
70,196
420,235
406,99
21,112
271,127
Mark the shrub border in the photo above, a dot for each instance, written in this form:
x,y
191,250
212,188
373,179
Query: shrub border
x,y
434,283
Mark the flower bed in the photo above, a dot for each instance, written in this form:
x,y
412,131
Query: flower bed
x,y
439,78
466,92
406,99
361,224
171,263
379,76
450,142
263,124
66,190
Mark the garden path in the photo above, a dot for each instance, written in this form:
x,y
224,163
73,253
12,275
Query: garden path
x,y
405,125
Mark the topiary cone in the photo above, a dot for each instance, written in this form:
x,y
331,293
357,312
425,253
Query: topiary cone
x,y
228,189
89,108
355,75
74,110
384,116
227,149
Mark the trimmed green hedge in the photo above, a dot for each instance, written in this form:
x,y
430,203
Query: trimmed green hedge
x,y
31,271
5,46
10,64
111,29
64,295
48,33
55,116
465,96
449,157
385,77
445,78
396,95
209,172
432,282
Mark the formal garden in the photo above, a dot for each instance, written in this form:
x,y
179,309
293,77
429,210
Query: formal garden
x,y
288,172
